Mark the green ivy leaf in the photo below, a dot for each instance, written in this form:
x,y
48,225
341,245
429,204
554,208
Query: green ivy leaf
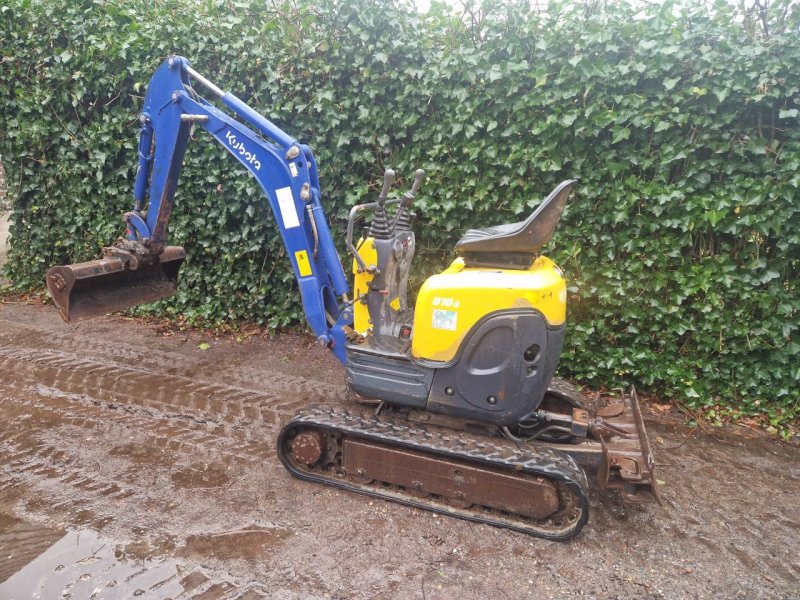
x,y
568,120
620,134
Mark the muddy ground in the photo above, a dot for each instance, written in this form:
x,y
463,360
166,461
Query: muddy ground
x,y
134,464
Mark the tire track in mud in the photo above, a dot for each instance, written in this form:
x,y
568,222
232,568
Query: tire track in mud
x,y
59,387
76,490
174,395
47,395
37,398
163,431
40,437
137,358
53,468
159,419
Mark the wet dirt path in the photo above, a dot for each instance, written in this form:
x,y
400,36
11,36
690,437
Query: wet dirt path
x,y
131,462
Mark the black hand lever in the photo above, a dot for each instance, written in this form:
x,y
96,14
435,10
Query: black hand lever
x,y
418,177
409,196
400,217
388,180
380,228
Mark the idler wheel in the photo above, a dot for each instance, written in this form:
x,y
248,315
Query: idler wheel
x,y
308,446
360,476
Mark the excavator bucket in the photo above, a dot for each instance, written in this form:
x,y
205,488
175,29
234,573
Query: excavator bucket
x,y
96,287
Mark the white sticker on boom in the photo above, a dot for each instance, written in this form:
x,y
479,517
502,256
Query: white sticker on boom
x,y
287,208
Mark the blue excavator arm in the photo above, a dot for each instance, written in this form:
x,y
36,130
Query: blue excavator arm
x,y
286,171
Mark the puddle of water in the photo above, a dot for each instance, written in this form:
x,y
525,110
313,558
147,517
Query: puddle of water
x,y
82,565
45,563
21,542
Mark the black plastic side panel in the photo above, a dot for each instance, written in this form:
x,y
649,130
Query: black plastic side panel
x,y
555,343
502,372
390,378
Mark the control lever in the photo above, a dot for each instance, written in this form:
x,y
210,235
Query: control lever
x,y
419,175
388,180
380,205
408,198
380,229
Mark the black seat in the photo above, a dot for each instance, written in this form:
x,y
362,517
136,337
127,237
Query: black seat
x,y
515,244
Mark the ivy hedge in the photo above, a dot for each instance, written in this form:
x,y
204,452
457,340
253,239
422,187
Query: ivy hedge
x,y
679,120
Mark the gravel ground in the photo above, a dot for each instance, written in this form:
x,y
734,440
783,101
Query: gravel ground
x,y
135,464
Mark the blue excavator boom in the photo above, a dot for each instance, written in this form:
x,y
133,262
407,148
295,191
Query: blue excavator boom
x,y
142,268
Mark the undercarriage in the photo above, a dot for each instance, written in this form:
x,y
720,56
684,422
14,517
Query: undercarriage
x,y
535,487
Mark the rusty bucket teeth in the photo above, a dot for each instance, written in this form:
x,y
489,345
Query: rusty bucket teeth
x,y
97,287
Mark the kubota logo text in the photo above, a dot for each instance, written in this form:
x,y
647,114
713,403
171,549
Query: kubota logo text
x,y
246,155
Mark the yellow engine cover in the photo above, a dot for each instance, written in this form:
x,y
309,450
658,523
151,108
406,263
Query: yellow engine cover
x,y
450,303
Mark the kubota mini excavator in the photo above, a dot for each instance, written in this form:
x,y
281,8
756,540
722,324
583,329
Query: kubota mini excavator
x,y
458,410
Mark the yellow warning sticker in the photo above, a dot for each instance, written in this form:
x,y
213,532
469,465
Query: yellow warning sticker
x,y
395,304
303,266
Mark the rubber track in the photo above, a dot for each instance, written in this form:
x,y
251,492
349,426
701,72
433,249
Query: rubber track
x,y
461,446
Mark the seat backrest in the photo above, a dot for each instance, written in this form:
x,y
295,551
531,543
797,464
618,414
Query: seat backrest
x,y
541,225
525,237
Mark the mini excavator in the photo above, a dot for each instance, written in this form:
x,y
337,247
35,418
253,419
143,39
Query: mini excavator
x,y
456,409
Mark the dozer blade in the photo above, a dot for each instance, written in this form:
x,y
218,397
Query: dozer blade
x,y
627,463
97,287
617,447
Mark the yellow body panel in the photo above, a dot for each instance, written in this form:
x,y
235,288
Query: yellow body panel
x,y
366,250
450,303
